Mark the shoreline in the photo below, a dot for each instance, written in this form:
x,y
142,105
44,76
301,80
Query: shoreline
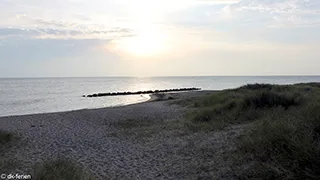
x,y
152,98
89,137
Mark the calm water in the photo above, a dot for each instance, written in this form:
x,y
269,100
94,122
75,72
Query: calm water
x,y
39,95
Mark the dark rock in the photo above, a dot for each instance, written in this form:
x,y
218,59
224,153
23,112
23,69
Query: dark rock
x,y
141,92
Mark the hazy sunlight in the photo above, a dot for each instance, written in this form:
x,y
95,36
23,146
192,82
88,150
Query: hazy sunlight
x,y
146,43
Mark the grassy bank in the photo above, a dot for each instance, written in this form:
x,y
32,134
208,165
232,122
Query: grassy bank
x,y
284,142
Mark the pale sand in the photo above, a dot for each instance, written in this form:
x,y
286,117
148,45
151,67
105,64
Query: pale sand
x,y
95,139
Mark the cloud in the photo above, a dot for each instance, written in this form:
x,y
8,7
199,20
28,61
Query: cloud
x,y
53,23
280,13
42,49
277,6
218,1
287,21
60,20
61,30
4,32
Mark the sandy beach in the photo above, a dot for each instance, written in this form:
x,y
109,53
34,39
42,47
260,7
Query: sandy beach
x,y
129,142
257,131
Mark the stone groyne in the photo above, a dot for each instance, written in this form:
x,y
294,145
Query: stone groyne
x,y
141,92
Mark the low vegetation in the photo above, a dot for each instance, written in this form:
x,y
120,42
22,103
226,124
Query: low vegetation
x,y
285,145
284,142
7,140
5,137
62,169
243,104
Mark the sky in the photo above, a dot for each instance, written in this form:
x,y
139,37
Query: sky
x,y
81,38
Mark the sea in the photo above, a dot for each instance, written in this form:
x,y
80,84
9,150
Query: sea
x,y
20,96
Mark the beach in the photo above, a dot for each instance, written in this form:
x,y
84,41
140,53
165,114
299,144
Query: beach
x,y
255,131
107,148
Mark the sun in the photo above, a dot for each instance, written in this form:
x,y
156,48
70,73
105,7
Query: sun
x,y
145,44
148,41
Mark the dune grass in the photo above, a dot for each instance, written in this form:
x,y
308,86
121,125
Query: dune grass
x,y
284,145
5,137
243,104
62,169
284,142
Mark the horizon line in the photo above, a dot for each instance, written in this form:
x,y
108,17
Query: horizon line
x,y
40,77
